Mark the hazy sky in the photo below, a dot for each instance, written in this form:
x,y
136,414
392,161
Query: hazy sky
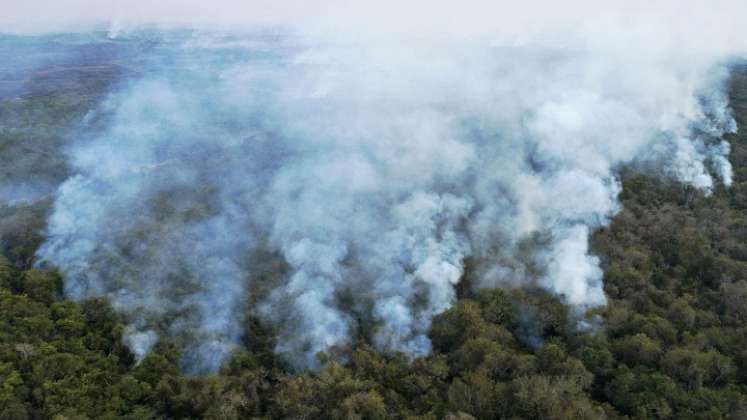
x,y
698,22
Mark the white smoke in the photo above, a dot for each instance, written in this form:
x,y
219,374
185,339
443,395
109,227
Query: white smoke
x,y
373,165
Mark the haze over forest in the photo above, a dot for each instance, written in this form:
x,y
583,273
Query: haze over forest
x,y
384,211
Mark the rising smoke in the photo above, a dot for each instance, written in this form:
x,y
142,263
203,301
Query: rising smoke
x,y
372,167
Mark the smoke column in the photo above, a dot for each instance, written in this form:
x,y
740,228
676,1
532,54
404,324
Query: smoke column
x,y
372,166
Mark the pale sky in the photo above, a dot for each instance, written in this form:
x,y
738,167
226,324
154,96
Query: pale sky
x,y
698,22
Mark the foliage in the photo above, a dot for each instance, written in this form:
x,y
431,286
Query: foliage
x,y
670,343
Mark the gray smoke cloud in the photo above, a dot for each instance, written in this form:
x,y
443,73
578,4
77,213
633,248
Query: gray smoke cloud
x,y
372,164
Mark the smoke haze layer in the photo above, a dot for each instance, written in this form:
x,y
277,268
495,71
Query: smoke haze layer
x,y
372,167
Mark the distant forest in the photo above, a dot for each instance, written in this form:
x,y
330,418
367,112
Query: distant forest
x,y
670,344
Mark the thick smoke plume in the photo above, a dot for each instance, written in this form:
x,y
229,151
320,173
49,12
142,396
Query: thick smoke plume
x,y
372,167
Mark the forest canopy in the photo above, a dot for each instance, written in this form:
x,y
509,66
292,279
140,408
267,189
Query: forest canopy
x,y
670,342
